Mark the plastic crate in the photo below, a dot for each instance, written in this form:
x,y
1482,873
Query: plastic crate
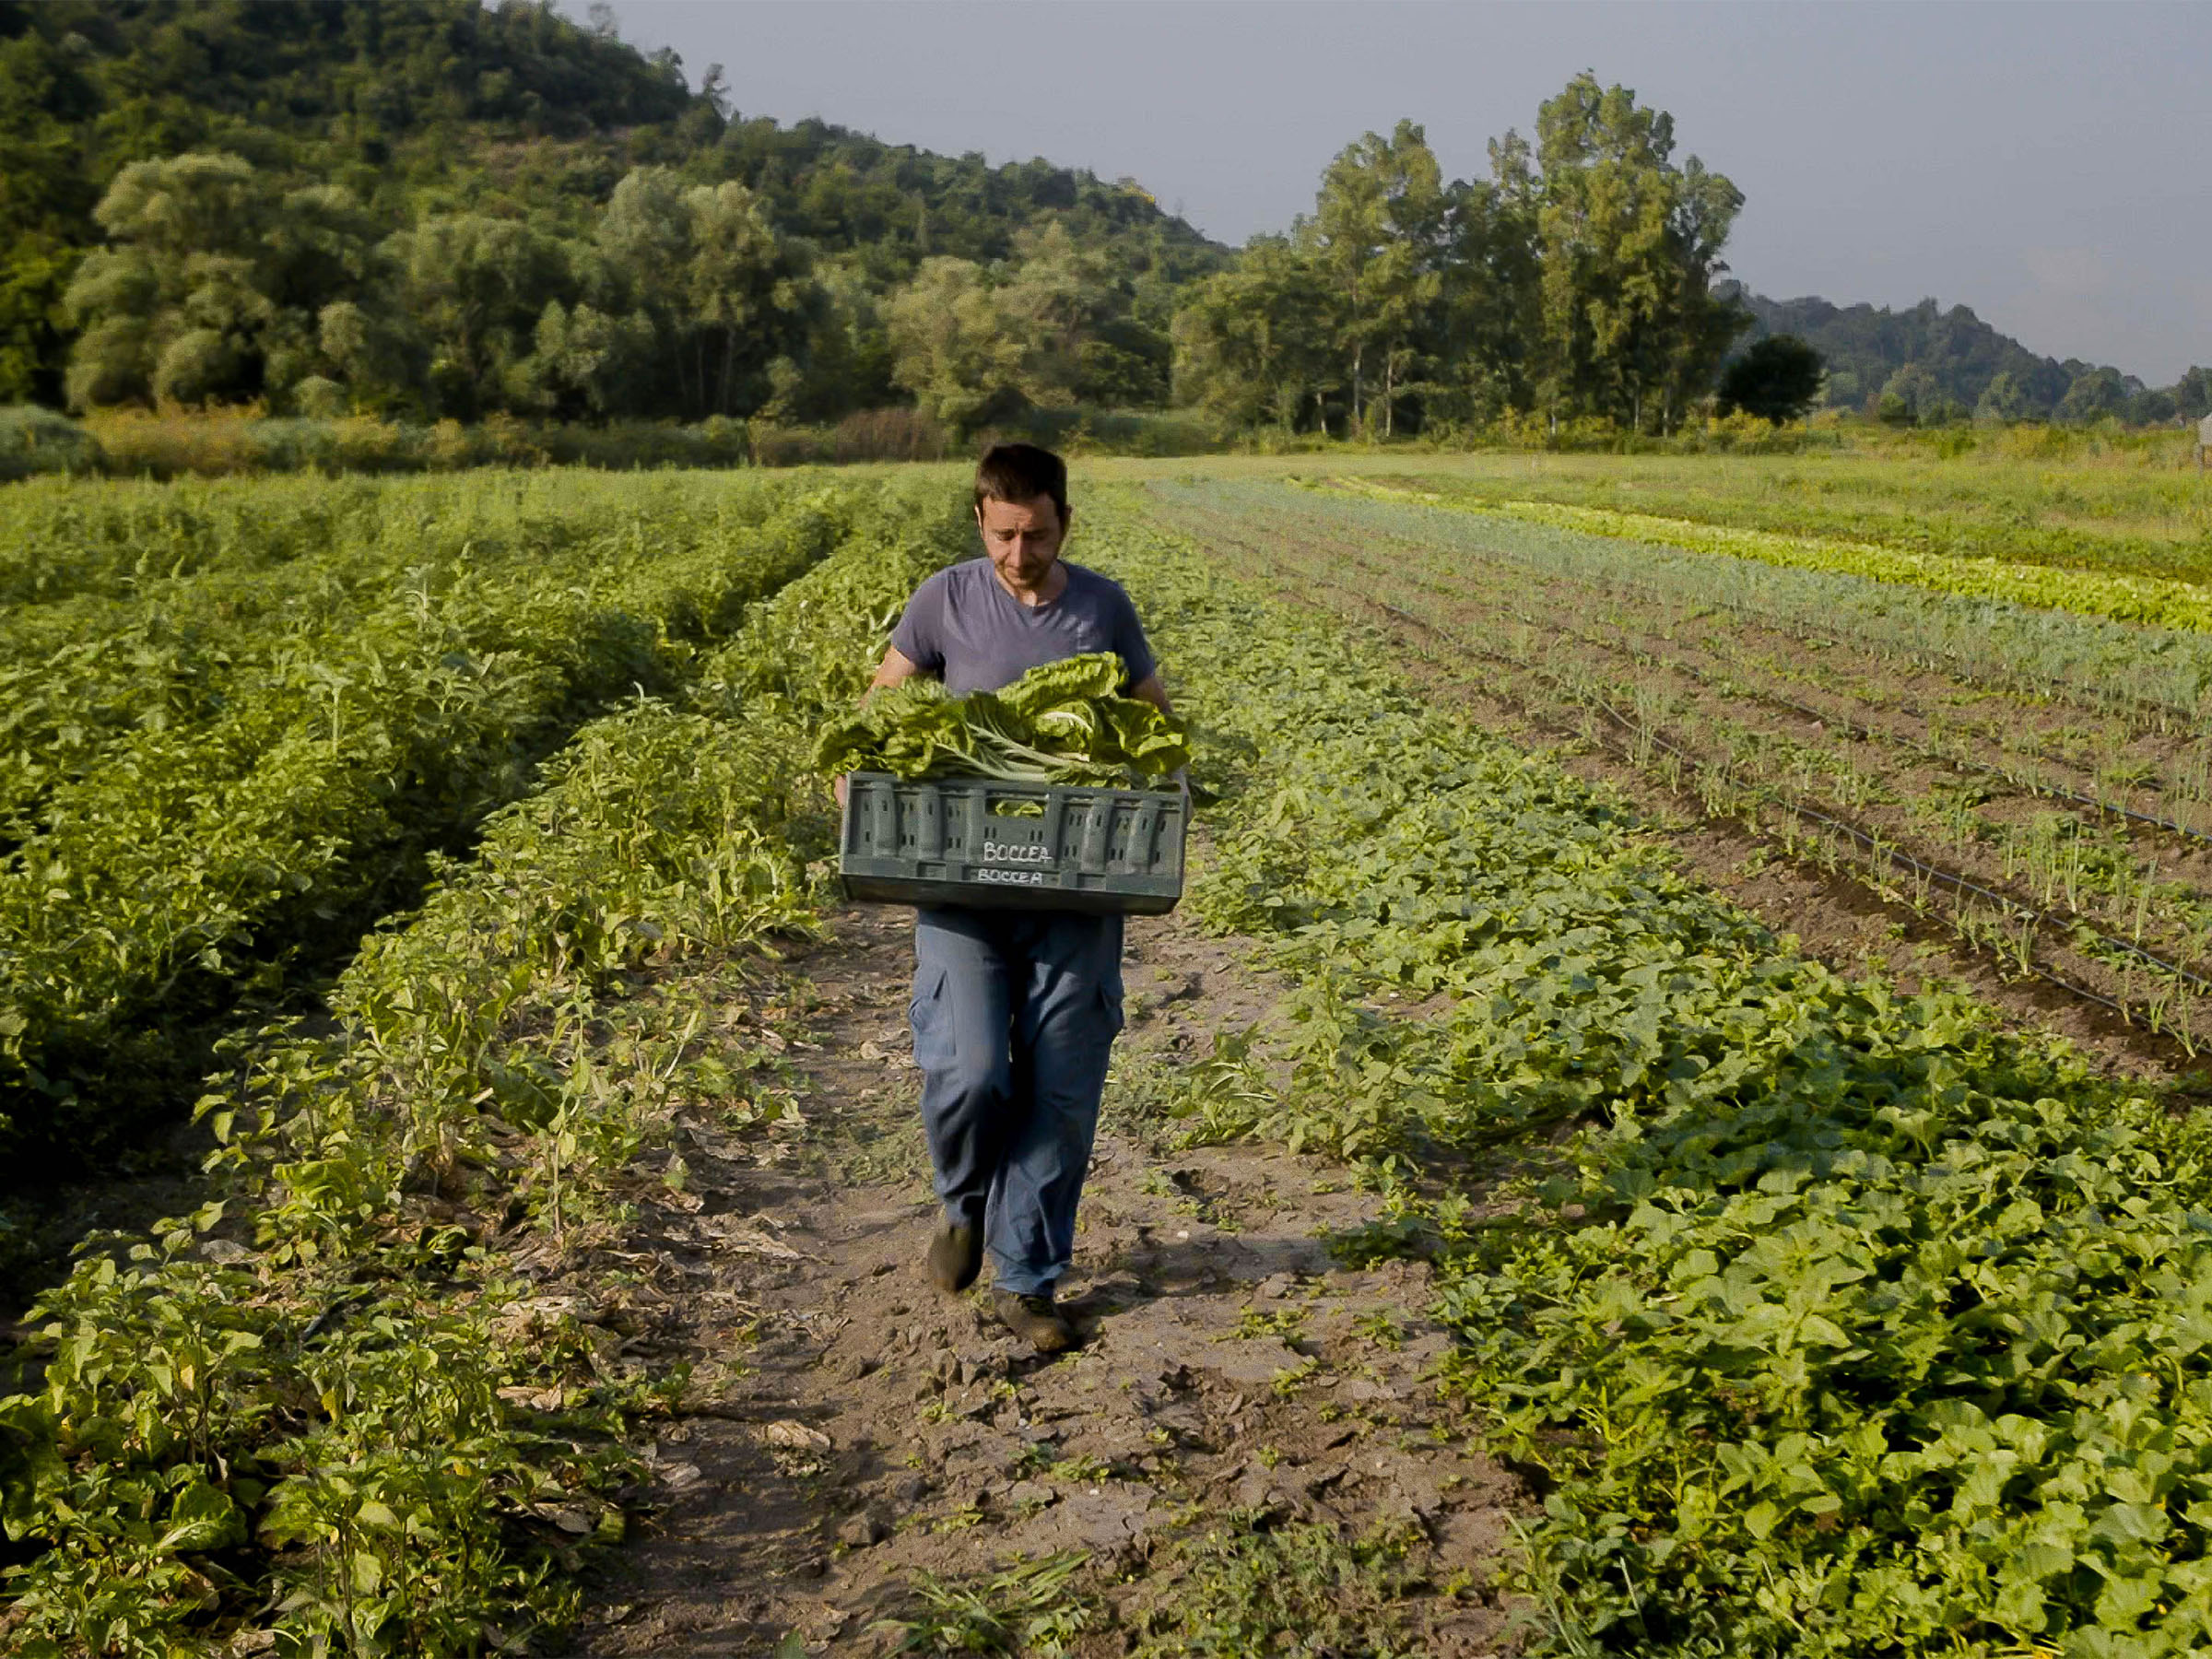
x,y
949,842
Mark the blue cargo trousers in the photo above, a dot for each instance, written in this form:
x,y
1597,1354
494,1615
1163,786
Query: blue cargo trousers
x,y
1015,1013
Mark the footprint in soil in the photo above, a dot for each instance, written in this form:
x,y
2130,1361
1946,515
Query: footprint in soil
x,y
873,1433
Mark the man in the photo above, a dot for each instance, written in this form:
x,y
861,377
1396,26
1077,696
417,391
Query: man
x,y
1014,1011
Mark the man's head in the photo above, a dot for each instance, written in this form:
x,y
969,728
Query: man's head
x,y
1022,508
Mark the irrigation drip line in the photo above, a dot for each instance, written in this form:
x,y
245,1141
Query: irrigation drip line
x,y
1623,752
1866,734
2023,911
2027,912
2032,785
1896,855
1876,735
2054,686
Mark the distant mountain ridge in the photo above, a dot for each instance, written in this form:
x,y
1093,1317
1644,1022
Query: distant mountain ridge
x,y
1952,363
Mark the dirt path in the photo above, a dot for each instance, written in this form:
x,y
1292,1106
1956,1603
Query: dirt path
x,y
850,1434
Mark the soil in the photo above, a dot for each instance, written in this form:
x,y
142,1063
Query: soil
x,y
1829,913
850,1434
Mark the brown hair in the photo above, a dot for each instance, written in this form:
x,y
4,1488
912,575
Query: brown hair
x,y
1021,472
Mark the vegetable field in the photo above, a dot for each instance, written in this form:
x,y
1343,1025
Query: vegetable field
x,y
446,842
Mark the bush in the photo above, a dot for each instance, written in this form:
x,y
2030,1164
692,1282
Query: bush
x,y
35,441
172,442
891,435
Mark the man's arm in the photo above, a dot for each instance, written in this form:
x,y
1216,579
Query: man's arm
x,y
895,668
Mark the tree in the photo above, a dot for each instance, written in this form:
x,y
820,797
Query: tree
x,y
1487,315
1375,233
1628,247
949,349
1258,343
584,363
210,287
1080,339
2193,394
1777,379
726,293
2004,399
1912,396
475,287
750,293
2096,395
45,195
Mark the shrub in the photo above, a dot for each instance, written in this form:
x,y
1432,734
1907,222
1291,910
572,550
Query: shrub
x,y
37,441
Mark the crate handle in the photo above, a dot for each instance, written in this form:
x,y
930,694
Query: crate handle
x,y
929,837
1097,826
1141,834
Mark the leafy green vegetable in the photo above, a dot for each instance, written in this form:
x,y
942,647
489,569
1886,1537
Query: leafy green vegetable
x,y
1065,723
1848,1324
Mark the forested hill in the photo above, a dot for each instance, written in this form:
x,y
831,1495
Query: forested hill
x,y
1942,364
423,107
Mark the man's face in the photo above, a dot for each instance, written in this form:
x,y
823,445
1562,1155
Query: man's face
x,y
1023,540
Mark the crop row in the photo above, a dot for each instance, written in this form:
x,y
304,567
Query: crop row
x,y
76,540
328,1407
1786,790
2163,601
162,651
1848,1323
1593,663
2149,672
2143,512
193,857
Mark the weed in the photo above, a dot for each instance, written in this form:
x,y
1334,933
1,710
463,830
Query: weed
x,y
1028,1608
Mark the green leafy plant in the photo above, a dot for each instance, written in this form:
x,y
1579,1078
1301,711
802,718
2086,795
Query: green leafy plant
x,y
1063,723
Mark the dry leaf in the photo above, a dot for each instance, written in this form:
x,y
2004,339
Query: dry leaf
x,y
795,1436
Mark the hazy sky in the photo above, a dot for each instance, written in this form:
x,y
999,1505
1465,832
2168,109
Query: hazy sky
x,y
2049,165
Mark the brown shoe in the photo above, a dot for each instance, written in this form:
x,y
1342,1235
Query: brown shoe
x,y
955,1255
1036,1321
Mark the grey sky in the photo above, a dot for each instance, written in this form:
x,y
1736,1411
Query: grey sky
x,y
2049,165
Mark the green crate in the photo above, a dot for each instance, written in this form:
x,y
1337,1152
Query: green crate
x,y
1103,851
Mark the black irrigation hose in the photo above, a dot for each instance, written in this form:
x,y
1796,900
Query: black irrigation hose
x,y
1960,882
2024,911
1623,752
1896,855
1866,734
2032,786
2055,686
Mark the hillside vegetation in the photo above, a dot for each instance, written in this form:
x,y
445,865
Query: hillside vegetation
x,y
436,208
424,210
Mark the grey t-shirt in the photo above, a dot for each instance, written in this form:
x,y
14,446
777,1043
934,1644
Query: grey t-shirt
x,y
964,627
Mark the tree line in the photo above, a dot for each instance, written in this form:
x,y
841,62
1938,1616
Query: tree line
x,y
1925,365
429,209
1578,281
